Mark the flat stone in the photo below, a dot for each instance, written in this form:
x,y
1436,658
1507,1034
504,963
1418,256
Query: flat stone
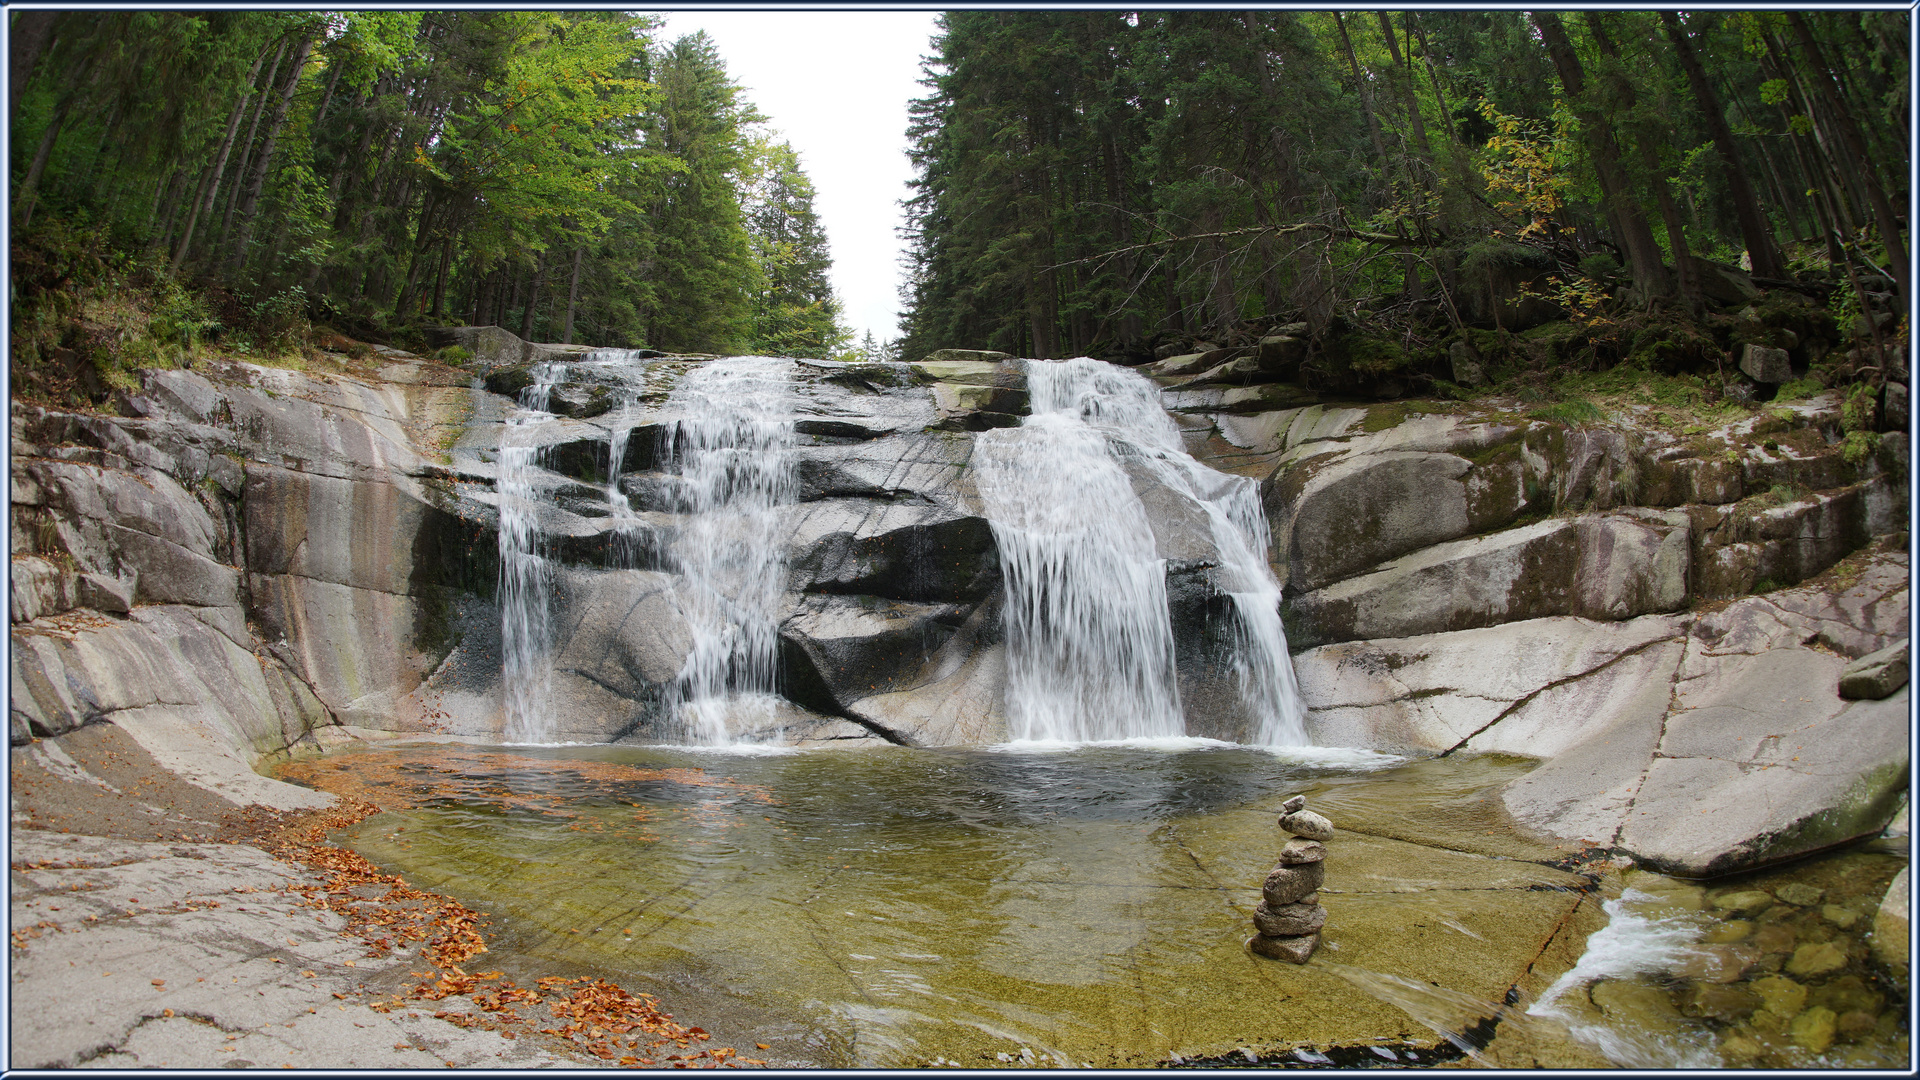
x,y
1294,805
1799,894
1746,902
1817,958
1779,994
1301,851
1291,949
1290,884
1877,674
1307,824
1814,1029
1289,920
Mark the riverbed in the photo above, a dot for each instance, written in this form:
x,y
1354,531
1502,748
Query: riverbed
x,y
1082,906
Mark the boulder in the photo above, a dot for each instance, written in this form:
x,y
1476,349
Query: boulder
x,y
1877,674
839,649
1765,365
1180,365
1536,688
1751,758
1613,566
1281,353
963,356
1467,368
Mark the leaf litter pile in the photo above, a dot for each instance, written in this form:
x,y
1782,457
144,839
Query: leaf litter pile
x,y
388,914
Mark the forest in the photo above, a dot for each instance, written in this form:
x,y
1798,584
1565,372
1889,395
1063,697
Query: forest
x,y
1107,183
257,174
1126,184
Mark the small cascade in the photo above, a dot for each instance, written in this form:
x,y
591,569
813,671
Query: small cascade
x,y
730,454
626,538
1089,650
1063,488
525,636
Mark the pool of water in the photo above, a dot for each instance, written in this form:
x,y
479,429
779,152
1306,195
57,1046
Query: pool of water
x,y
1087,906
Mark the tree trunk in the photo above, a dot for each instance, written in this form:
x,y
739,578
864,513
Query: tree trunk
x,y
25,198
205,197
27,41
573,293
246,152
1626,96
1361,83
1863,166
533,298
1754,228
237,256
1643,253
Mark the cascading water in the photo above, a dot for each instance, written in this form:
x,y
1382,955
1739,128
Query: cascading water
x,y
1090,652
729,453
526,673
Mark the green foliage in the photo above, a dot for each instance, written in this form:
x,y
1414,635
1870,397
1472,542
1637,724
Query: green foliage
x,y
456,355
1573,410
1798,389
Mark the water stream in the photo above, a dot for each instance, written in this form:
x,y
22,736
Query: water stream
x,y
525,576
729,456
1090,650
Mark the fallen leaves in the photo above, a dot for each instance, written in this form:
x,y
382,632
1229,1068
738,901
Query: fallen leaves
x,y
384,911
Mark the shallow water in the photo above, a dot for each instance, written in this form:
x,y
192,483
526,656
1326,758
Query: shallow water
x,y
894,906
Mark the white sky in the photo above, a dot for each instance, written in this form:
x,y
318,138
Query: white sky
x,y
836,84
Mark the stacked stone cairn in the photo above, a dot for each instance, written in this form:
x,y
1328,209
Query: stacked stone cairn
x,y
1289,917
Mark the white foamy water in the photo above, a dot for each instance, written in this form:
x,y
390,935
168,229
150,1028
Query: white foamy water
x,y
1089,648
730,454
525,634
1090,651
1634,943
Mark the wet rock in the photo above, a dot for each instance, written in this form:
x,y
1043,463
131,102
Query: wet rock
x,y
1842,917
1780,995
1635,1004
1717,963
1727,932
839,649
1776,938
1817,959
1813,1030
1467,369
1727,1004
1295,950
1856,1025
1289,920
1876,675
1744,902
1890,928
1307,824
1290,884
509,382
1298,852
1799,894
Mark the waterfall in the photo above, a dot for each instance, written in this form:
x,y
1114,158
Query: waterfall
x,y
525,636
625,538
1090,651
729,454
